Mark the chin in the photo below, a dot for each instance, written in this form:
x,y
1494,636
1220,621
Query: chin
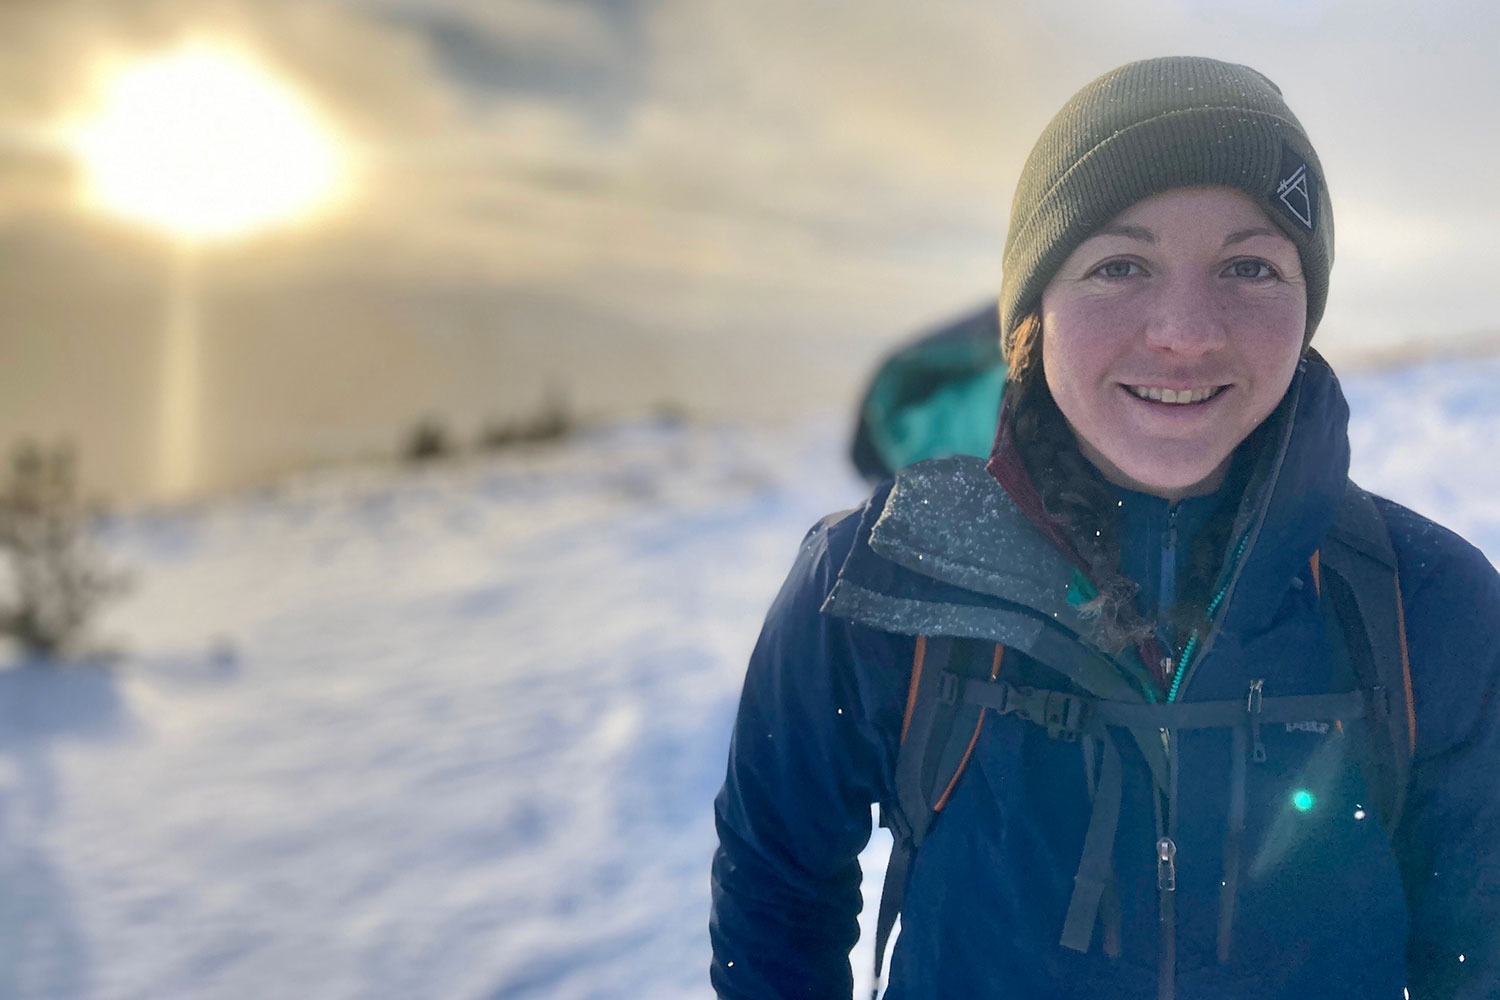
x,y
1161,476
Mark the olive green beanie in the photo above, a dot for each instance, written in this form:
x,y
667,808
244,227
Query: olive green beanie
x,y
1149,127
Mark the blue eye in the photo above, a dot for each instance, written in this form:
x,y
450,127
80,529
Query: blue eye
x,y
1117,269
1251,268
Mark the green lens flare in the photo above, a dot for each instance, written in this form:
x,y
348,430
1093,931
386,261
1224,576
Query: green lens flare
x,y
1303,800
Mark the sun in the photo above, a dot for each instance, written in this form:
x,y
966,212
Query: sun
x,y
206,144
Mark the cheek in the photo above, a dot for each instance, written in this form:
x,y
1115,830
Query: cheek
x,y
1063,366
1271,341
1272,319
1077,349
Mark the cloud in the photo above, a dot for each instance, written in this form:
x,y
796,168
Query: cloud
x,y
737,189
761,158
617,151
579,52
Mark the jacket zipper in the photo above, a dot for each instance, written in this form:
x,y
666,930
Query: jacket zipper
x,y
1167,588
1166,873
1166,595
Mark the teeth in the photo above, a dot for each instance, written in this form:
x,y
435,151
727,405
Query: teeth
x,y
1176,396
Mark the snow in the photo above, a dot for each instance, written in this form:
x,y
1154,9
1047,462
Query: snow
x,y
455,732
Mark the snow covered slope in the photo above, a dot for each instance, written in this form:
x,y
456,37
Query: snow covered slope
x,y
455,733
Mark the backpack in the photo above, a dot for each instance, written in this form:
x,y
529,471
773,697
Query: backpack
x,y
955,682
939,395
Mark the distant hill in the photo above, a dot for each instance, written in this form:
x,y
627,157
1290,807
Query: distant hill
x,y
1479,344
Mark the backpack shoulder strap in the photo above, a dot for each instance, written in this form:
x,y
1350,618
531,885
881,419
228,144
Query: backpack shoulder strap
x,y
938,734
1363,588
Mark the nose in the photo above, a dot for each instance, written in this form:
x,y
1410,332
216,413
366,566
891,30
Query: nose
x,y
1186,319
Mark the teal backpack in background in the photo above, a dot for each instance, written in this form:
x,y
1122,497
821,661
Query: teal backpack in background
x,y
936,397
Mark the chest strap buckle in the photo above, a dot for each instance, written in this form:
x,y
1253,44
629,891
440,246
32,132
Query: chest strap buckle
x,y
1064,716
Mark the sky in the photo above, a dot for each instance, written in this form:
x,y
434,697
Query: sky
x,y
732,208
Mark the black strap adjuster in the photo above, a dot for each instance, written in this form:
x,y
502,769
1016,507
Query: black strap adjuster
x,y
1063,715
949,688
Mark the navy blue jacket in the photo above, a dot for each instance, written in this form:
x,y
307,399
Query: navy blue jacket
x,y
1330,906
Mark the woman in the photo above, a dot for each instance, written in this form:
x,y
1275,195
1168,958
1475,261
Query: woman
x,y
1148,536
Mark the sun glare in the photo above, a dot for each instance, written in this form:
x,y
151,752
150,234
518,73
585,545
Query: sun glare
x,y
206,144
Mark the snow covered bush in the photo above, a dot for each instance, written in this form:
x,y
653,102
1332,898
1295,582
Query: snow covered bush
x,y
56,580
552,421
428,440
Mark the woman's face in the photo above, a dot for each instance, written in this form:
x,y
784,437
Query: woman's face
x,y
1171,333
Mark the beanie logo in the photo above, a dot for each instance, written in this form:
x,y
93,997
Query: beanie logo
x,y
1297,190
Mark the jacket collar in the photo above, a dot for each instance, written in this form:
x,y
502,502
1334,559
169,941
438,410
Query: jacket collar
x,y
946,552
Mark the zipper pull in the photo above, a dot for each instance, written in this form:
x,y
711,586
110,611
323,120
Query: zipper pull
x,y
1253,703
1166,865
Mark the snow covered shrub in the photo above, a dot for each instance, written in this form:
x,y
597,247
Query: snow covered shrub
x,y
552,421
57,580
428,440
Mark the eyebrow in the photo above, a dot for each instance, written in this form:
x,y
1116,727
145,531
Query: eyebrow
x,y
1240,236
1129,232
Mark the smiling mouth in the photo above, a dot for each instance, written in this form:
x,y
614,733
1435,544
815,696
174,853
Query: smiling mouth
x,y
1176,397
